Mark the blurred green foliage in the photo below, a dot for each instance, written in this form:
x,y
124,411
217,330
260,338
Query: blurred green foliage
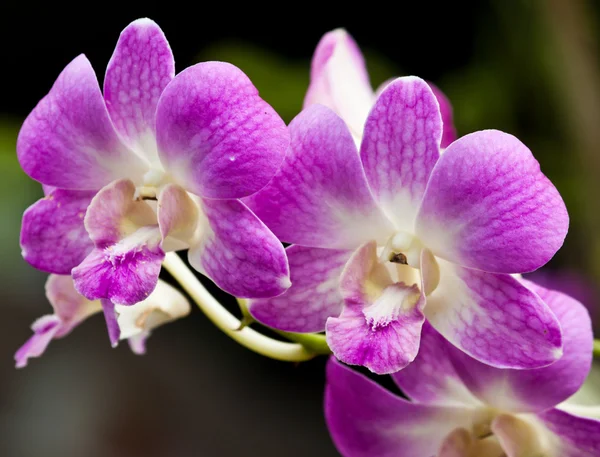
x,y
281,81
18,192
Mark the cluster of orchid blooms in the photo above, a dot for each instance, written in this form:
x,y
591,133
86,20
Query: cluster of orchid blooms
x,y
406,243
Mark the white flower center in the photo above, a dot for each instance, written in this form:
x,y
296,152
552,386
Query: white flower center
x,y
497,434
148,236
395,300
403,248
154,177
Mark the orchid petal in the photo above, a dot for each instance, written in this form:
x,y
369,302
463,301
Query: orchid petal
x,y
239,253
53,237
339,80
494,318
521,436
178,216
44,331
137,343
125,265
48,189
400,147
140,68
164,305
383,85
215,135
542,388
320,191
431,378
115,213
68,140
68,305
70,309
314,295
488,206
574,436
365,420
110,316
380,324
449,131
124,277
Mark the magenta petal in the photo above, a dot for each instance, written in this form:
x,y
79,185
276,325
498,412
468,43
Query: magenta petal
x,y
70,309
488,206
574,436
215,134
431,377
139,70
239,253
384,350
494,318
114,332
400,147
53,237
68,140
114,213
320,193
542,388
137,343
381,329
314,295
339,80
48,189
44,330
449,131
365,420
125,265
125,278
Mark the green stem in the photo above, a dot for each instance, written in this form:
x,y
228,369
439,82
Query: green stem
x,y
227,322
314,342
596,348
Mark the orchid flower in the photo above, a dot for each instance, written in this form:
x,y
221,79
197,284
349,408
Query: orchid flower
x,y
340,81
397,233
131,323
461,408
157,163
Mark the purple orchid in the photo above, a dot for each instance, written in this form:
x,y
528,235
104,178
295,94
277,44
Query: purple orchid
x,y
340,81
158,163
394,233
131,323
461,408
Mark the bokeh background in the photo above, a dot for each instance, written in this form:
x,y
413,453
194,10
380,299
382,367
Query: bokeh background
x,y
530,67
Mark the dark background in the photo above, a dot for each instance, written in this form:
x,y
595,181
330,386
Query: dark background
x,y
530,68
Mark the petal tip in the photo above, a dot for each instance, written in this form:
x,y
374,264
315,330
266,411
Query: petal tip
x,y
143,22
284,282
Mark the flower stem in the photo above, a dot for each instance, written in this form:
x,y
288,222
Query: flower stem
x,y
596,348
315,342
227,322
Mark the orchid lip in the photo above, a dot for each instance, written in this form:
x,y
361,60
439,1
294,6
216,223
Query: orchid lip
x,y
386,309
142,237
